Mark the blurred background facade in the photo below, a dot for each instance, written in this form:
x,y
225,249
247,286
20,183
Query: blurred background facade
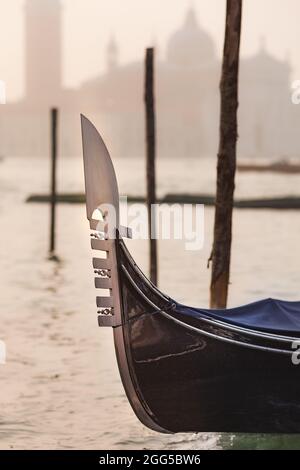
x,y
187,79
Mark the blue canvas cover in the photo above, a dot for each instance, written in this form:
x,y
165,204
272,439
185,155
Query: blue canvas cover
x,y
272,315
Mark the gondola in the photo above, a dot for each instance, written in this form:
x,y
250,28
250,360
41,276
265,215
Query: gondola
x,y
186,369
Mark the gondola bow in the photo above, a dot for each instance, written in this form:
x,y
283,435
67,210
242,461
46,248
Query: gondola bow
x,y
186,369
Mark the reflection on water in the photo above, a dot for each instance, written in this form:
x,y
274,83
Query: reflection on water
x,y
60,387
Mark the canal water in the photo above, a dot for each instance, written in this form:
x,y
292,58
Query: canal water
x,y
60,387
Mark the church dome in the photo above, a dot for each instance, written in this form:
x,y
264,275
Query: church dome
x,y
190,45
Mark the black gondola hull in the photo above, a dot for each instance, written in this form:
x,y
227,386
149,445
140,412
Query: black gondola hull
x,y
187,369
203,386
204,377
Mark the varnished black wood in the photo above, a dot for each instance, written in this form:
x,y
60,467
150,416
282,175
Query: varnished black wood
x,y
198,375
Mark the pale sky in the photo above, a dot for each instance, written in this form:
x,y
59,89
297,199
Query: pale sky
x,y
88,25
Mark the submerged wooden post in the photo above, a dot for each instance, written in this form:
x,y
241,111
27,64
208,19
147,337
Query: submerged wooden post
x,y
226,157
150,151
53,182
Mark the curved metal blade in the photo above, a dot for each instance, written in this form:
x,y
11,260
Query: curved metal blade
x,y
101,185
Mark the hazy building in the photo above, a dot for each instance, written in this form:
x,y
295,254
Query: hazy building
x,y
265,116
187,97
43,46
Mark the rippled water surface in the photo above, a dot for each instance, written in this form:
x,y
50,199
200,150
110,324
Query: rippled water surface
x,y
60,387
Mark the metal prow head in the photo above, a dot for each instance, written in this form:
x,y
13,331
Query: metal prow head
x,y
101,187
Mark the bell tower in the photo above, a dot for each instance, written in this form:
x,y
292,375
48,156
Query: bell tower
x,y
112,54
43,37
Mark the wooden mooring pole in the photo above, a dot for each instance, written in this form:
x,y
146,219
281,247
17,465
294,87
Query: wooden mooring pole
x,y
54,114
221,250
150,152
